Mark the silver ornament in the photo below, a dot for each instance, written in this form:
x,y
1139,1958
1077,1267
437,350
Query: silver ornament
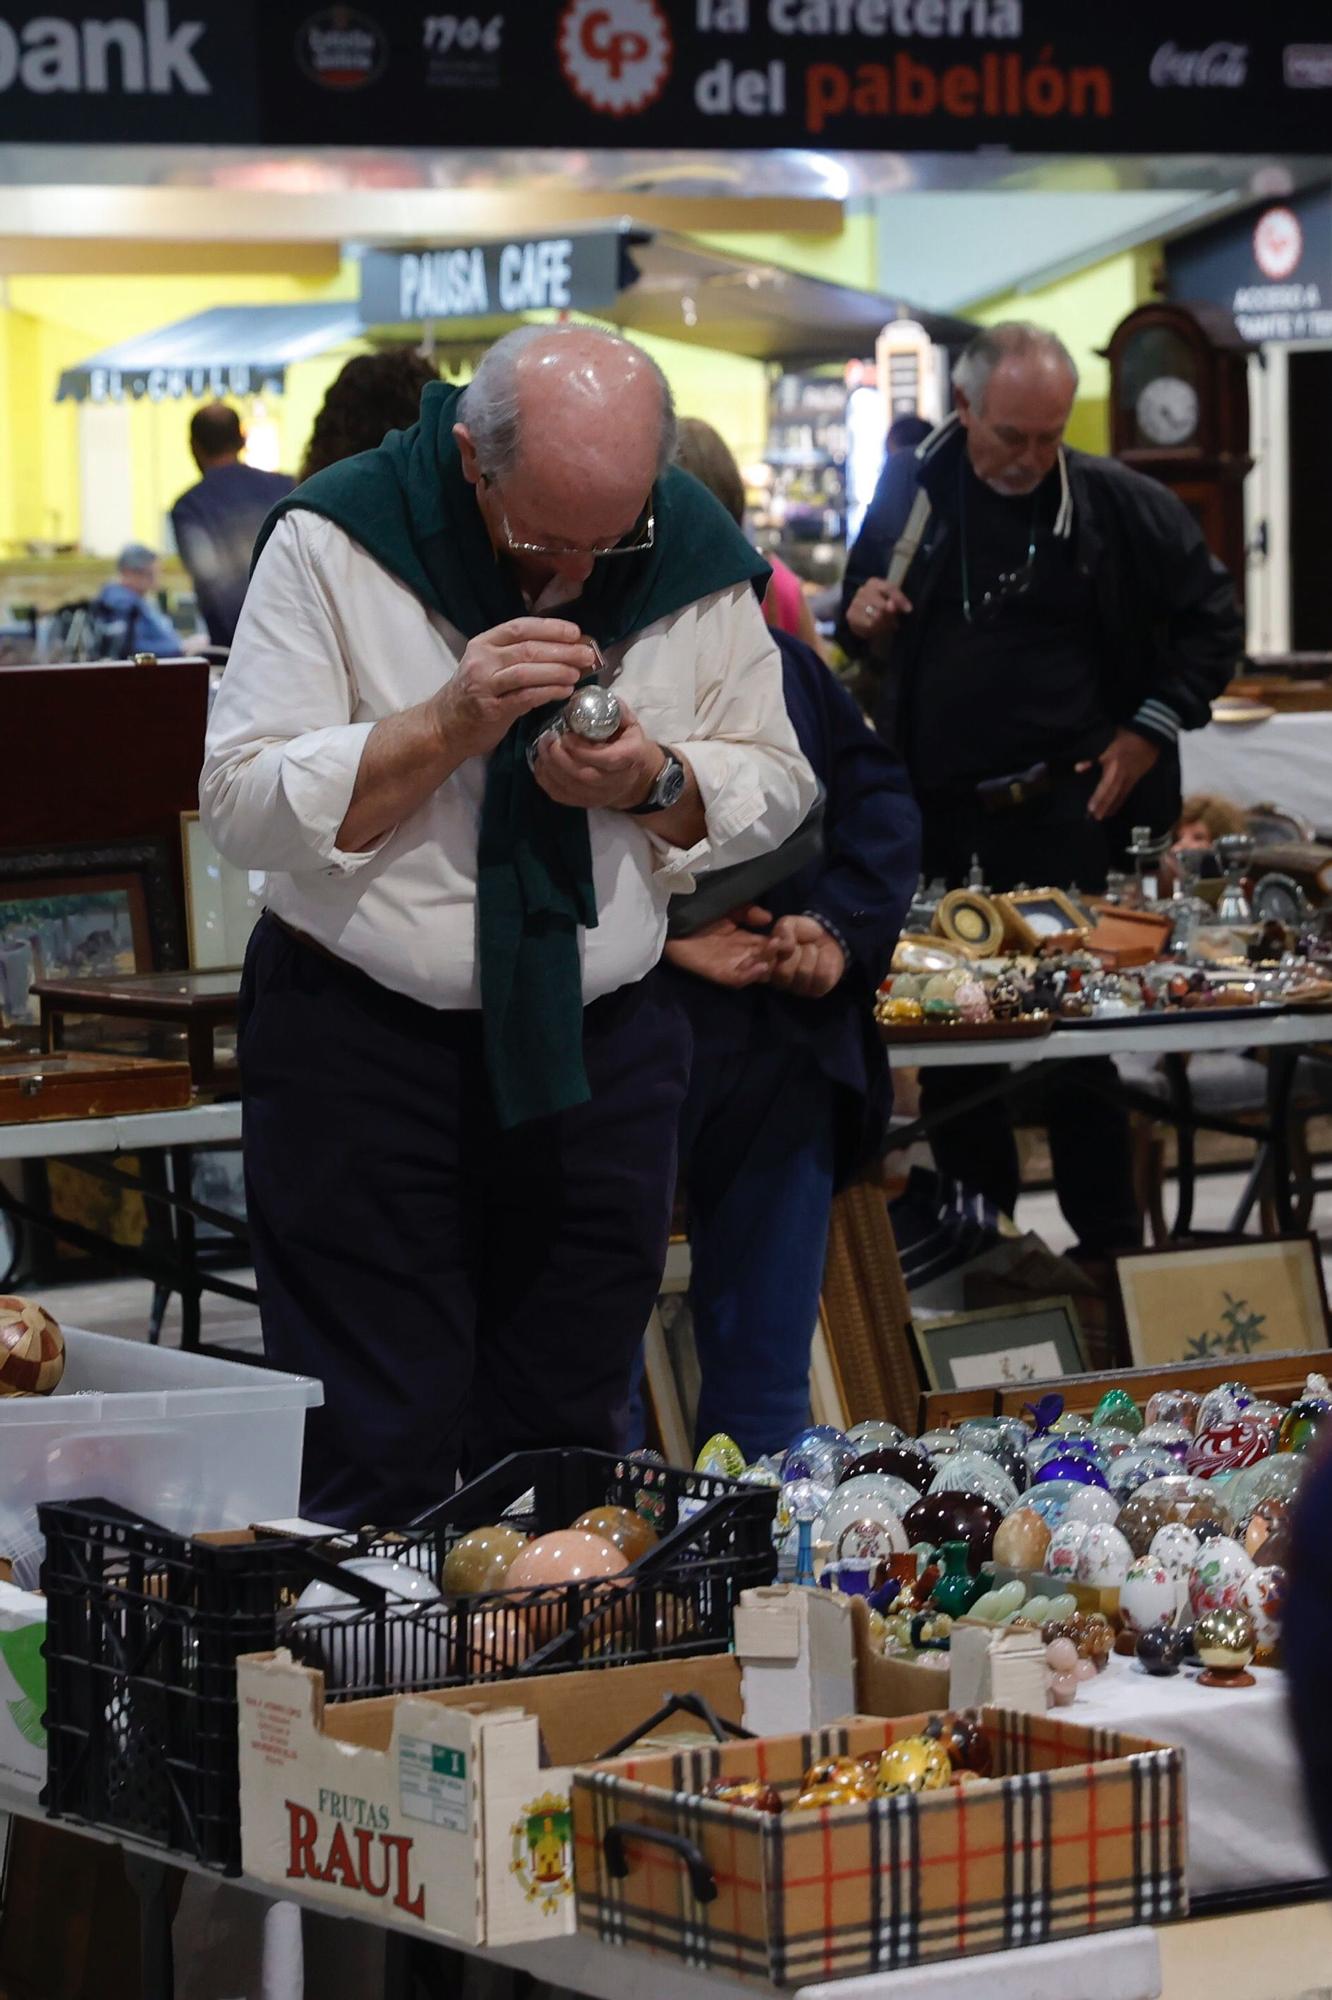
x,y
593,713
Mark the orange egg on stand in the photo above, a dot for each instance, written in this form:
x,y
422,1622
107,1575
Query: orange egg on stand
x,y
569,1555
623,1527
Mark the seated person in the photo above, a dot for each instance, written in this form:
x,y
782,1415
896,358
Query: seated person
x,y
1203,819
128,619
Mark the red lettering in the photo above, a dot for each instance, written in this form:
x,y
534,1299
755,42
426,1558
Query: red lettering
x,y
1013,85
340,1867
916,87
870,98
616,51
1093,85
365,1846
961,86
303,1827
1047,92
413,1906
990,75
827,92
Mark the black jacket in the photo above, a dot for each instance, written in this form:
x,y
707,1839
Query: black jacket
x,y
1170,636
860,888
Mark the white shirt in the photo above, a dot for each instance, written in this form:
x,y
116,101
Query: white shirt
x,y
329,642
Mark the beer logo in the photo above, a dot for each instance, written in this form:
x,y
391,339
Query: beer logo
x,y
341,49
1278,243
543,1850
615,54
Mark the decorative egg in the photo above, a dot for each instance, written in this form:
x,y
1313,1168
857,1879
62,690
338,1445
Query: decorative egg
x,y
906,1460
1071,1465
1148,1595
623,1527
750,1792
1135,1469
975,1472
1277,1478
721,1454
567,1556
1105,1558
1174,1406
1053,1610
32,1348
482,1560
1021,1540
1227,1448
1176,1548
1174,1438
1061,1656
1063,1689
1216,1579
1224,1640
1263,1596
913,1764
955,1517
996,1607
1117,1409
1139,1520
872,1431
1301,1425
962,1736
1156,1653
1266,1533
1091,1504
1061,1558
871,1497
1052,1500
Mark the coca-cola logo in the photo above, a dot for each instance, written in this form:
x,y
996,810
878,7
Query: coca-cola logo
x,y
1220,66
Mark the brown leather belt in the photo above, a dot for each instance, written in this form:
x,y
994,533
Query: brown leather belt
x,y
311,944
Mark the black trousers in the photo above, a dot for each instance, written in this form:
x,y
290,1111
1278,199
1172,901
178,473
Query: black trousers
x,y
1049,843
462,1292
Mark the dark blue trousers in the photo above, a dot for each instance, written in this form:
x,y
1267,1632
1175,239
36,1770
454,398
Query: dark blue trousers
x,y
462,1292
756,1144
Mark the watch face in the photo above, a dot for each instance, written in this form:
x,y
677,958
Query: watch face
x,y
1167,410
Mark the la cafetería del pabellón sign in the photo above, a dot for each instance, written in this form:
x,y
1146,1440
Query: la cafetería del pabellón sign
x,y
868,75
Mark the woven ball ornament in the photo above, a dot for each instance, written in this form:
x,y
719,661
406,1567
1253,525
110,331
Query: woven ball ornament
x,y
32,1349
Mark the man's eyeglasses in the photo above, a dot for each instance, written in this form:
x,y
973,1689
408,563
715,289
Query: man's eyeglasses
x,y
639,537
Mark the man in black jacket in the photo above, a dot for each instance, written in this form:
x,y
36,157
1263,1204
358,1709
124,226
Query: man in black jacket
x,y
1052,622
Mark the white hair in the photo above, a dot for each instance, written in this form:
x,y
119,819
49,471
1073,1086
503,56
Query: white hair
x,y
489,404
981,356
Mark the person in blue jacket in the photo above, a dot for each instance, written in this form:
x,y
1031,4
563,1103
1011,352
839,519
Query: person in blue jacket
x,y
789,1090
128,619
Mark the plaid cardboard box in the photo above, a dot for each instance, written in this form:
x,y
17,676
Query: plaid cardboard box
x,y
1079,1830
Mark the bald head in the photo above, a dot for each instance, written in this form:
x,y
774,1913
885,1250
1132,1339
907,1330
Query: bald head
x,y
1015,386
563,430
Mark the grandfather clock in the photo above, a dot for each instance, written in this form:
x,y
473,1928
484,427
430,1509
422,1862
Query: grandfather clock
x,y
1179,411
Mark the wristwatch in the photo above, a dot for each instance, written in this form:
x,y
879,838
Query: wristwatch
x,y
667,789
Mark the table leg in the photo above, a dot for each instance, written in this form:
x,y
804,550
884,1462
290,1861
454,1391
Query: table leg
x,y
199,1040
187,1250
1181,1104
1281,1066
149,1879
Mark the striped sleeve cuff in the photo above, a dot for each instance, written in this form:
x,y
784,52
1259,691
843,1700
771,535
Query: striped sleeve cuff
x,y
1157,721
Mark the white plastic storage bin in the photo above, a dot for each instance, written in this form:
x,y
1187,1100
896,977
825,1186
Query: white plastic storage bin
x,y
190,1441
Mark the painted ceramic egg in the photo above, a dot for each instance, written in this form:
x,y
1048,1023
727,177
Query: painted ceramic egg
x,y
1177,1549
1227,1448
1217,1576
567,1556
1105,1558
1148,1595
1061,1558
1118,1410
1021,1540
482,1559
1174,1406
1263,1596
623,1527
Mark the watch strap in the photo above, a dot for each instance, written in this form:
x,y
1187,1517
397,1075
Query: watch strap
x,y
656,801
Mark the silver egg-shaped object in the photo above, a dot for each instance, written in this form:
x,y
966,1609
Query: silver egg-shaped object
x,y
593,713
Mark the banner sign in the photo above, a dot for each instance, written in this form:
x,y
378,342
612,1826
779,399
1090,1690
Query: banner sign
x,y
484,280
1270,267
1043,76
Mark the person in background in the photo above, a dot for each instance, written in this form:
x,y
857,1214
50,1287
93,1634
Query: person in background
x,y
462,1074
789,1090
1204,819
1059,622
372,395
705,452
128,620
215,523
905,433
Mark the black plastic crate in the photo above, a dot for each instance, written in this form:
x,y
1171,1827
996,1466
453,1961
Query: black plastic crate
x,y
144,1626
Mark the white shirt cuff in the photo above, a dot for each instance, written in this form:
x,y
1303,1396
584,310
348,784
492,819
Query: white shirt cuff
x,y
318,778
732,799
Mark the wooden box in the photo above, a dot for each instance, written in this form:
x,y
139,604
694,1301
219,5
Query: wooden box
x,y
62,1084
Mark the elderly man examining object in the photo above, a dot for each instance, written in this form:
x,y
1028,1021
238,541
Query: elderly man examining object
x,y
462,1077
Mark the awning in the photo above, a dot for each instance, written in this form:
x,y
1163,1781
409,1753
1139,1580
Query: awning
x,y
644,281
228,351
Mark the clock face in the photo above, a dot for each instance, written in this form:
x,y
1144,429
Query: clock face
x,y
1167,410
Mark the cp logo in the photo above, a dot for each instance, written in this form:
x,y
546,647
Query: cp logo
x,y
615,54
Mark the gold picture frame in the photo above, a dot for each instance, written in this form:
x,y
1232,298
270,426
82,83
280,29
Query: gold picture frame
x,y
972,923
1032,917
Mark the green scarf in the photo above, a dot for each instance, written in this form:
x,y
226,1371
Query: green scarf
x,y
410,507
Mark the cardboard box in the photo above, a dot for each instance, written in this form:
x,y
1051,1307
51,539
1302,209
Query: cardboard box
x,y
1078,1830
22,1690
444,1814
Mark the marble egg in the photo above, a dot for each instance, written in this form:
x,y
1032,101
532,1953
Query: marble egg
x,y
1105,1558
1263,1596
1064,1689
567,1556
482,1559
1176,1548
1148,1595
1061,1558
1139,1521
1266,1532
622,1526
1156,1654
1218,1575
1021,1540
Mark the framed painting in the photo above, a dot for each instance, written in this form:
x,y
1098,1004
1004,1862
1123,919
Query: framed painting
x,y
1004,1346
222,903
83,912
1219,1301
1032,917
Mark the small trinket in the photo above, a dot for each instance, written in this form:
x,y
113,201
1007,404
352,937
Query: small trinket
x,y
915,1764
1224,1641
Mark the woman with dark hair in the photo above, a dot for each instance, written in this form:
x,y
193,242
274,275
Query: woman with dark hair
x,y
373,395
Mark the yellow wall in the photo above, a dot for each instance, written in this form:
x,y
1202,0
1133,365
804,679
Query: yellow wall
x,y
1084,311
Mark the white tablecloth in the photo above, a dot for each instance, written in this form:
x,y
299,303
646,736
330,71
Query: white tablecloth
x,y
1286,761
1247,1824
